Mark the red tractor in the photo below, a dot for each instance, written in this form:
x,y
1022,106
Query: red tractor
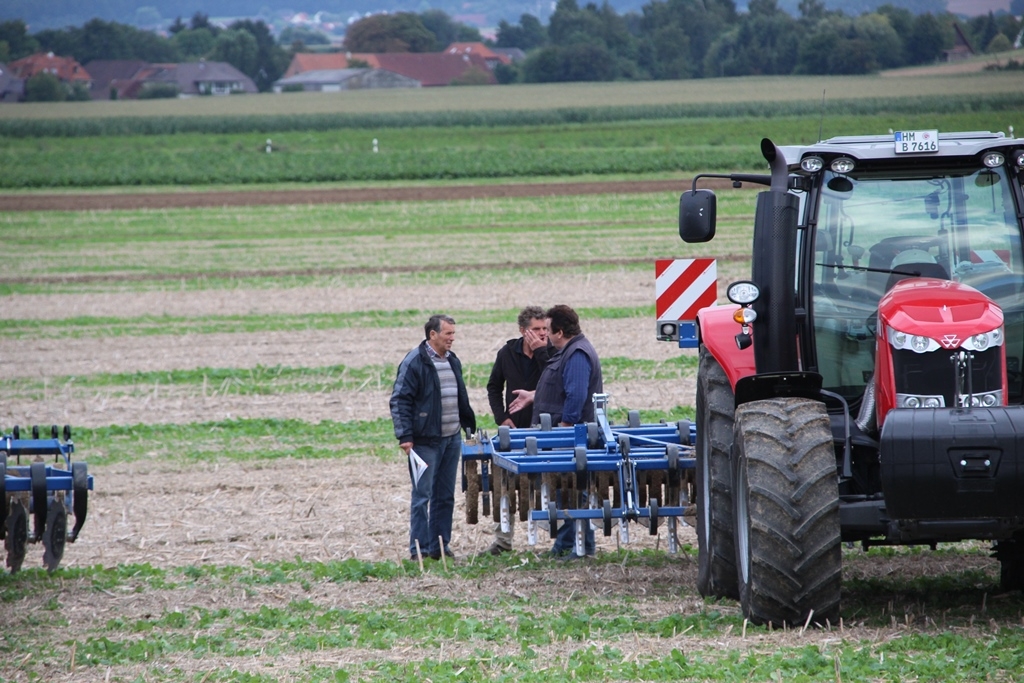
x,y
865,385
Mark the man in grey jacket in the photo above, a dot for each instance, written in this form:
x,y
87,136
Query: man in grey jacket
x,y
429,404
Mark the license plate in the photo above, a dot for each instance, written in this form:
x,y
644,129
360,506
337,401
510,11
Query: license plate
x,y
916,141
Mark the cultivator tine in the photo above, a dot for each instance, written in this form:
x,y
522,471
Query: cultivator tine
x,y
55,535
673,540
79,496
503,514
578,545
38,476
17,535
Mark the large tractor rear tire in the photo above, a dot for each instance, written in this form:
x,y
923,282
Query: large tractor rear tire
x,y
1010,553
788,552
716,557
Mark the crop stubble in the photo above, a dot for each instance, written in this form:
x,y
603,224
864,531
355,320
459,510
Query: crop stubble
x,y
220,513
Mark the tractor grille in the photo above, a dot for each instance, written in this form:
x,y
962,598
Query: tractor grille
x,y
934,373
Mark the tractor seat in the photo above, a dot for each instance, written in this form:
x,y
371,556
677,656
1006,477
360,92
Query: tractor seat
x,y
915,261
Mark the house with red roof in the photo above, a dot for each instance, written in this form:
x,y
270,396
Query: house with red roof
x,y
487,54
64,68
429,68
114,78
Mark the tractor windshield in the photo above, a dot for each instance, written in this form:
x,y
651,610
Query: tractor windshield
x,y
875,229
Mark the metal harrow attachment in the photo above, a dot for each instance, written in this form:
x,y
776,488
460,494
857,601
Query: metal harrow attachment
x,y
47,492
595,473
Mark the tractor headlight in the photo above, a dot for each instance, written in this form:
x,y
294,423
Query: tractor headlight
x,y
919,401
980,342
842,165
914,342
986,399
919,343
812,164
993,159
743,292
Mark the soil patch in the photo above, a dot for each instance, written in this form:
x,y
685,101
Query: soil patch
x,y
176,200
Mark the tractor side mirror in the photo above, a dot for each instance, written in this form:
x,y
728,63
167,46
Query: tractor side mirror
x,y
697,216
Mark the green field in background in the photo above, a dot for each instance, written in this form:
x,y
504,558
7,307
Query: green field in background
x,y
472,133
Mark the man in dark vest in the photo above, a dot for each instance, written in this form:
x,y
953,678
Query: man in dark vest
x,y
565,390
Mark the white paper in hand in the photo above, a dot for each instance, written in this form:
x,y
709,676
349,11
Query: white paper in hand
x,y
417,466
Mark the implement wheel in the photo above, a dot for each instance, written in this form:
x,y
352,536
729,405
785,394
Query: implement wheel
x,y
716,554
56,535
3,494
17,535
787,512
472,491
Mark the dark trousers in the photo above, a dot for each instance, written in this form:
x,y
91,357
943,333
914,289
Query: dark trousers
x,y
433,498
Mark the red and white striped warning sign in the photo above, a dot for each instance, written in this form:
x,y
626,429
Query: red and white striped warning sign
x,y
684,286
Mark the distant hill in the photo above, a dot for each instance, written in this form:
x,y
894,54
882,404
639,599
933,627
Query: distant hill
x,y
480,13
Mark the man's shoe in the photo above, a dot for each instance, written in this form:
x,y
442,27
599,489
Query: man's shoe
x,y
573,556
496,549
436,555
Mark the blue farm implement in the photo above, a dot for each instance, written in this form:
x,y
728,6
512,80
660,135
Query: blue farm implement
x,y
597,473
45,491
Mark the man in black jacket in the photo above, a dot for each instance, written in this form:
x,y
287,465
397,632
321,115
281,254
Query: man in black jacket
x,y
517,366
429,404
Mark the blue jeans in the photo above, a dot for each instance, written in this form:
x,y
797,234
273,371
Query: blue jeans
x,y
566,538
433,499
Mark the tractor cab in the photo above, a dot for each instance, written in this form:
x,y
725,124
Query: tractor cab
x,y
881,225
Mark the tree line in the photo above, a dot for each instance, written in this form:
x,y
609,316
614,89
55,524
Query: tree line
x,y
666,39
676,39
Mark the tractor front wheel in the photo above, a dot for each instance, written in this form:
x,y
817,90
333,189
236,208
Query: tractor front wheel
x,y
716,556
788,553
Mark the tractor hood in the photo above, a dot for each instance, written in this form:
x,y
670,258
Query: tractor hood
x,y
947,312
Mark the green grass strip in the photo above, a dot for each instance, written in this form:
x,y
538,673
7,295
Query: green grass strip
x,y
423,623
265,381
253,440
237,441
93,327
